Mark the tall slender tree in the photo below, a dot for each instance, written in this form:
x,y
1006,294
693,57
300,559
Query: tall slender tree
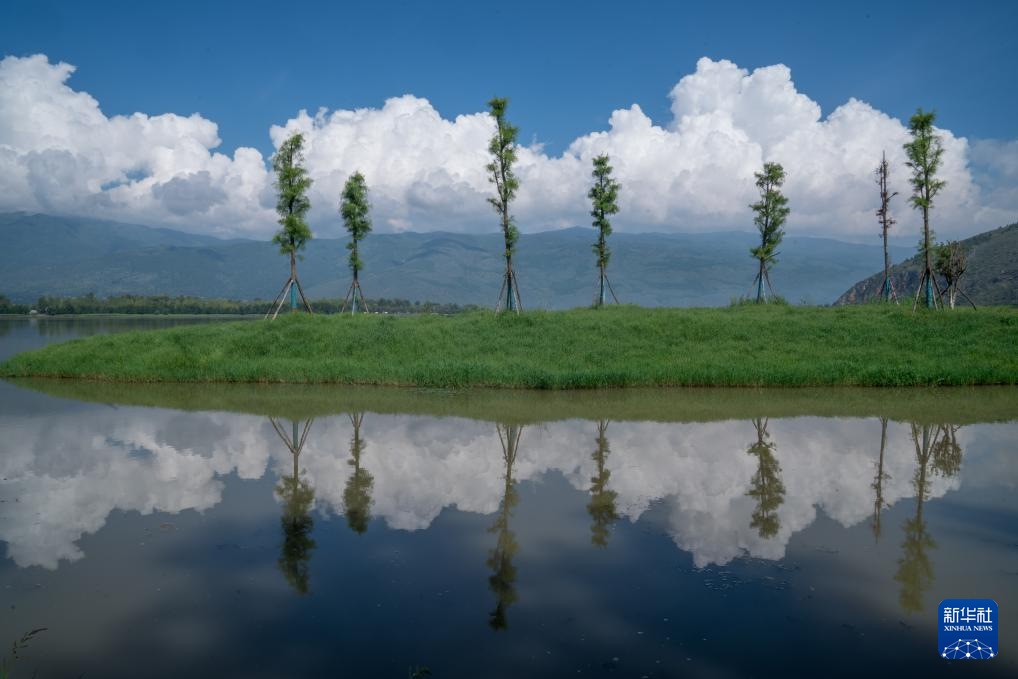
x,y
925,152
292,184
603,195
886,222
355,210
771,211
503,154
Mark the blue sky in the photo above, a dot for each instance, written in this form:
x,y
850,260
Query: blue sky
x,y
688,99
565,65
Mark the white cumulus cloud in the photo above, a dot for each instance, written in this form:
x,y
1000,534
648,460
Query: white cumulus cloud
x,y
60,153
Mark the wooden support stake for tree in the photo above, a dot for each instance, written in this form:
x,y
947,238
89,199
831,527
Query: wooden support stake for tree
x,y
762,283
509,436
501,291
887,291
289,284
282,293
353,293
938,296
364,302
770,287
749,290
346,300
296,445
280,300
918,292
604,281
931,280
608,281
516,289
962,293
511,292
307,304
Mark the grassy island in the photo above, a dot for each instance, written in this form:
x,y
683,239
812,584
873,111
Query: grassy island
x,y
612,347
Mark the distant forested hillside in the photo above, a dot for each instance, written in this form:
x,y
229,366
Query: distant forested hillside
x,y
991,277
66,256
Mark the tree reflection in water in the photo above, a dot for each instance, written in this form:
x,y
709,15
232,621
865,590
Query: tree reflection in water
x,y
602,500
937,452
767,488
878,482
500,559
357,495
297,497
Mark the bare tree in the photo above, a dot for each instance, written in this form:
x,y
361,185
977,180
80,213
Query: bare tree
x,y
951,264
886,222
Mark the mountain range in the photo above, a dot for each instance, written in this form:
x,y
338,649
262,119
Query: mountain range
x,y
991,276
51,255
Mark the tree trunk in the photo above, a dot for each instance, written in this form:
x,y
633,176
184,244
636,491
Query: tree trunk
x,y
760,283
356,284
600,295
887,269
293,277
296,452
600,265
928,257
510,299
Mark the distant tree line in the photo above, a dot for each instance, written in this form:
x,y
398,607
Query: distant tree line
x,y
161,304
9,307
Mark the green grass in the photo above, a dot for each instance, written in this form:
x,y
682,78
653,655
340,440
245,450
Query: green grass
x,y
614,347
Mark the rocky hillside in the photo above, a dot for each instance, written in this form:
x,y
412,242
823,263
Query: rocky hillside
x,y
991,278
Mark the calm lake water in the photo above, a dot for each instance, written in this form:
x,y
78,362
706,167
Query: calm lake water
x,y
170,531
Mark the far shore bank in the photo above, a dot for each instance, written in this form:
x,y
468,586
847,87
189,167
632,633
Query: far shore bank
x,y
58,317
